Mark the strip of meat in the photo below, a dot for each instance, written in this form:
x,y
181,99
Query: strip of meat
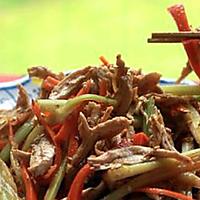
x,y
160,135
149,83
93,113
71,83
42,73
90,136
116,157
124,95
41,156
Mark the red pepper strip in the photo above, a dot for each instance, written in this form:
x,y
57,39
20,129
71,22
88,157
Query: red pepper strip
x,y
73,145
55,128
104,61
49,83
192,47
140,139
73,142
64,131
164,192
68,131
102,87
2,144
85,89
10,132
76,188
69,128
29,186
37,112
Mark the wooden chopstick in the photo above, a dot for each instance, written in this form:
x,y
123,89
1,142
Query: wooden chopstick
x,y
173,37
187,34
164,40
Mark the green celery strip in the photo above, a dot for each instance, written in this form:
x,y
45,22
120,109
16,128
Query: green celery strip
x,y
151,177
125,171
60,109
164,168
149,110
182,89
37,130
56,182
19,137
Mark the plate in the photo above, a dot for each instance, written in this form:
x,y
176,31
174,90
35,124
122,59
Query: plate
x,y
9,91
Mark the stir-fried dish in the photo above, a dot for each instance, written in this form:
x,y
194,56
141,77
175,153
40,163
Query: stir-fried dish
x,y
108,132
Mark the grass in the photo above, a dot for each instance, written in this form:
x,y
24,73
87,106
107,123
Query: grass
x,y
66,34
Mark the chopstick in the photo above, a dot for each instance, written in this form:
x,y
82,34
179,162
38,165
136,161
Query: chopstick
x,y
173,37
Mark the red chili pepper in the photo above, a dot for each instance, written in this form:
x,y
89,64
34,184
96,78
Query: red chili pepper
x,y
85,89
104,61
29,186
76,188
192,47
49,83
140,139
164,192
102,87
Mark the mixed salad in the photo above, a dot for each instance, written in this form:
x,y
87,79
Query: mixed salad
x,y
108,132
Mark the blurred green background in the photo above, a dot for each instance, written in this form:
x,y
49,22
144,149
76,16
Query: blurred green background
x,y
65,34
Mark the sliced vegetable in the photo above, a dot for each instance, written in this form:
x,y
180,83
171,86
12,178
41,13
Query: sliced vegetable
x,y
168,193
19,137
191,46
125,171
68,132
8,187
102,87
148,111
152,177
104,61
31,137
38,113
64,131
29,186
49,83
188,179
192,120
185,90
2,144
10,132
140,139
85,89
60,109
73,145
56,182
77,185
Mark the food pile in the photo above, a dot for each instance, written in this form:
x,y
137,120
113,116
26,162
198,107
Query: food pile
x,y
108,132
